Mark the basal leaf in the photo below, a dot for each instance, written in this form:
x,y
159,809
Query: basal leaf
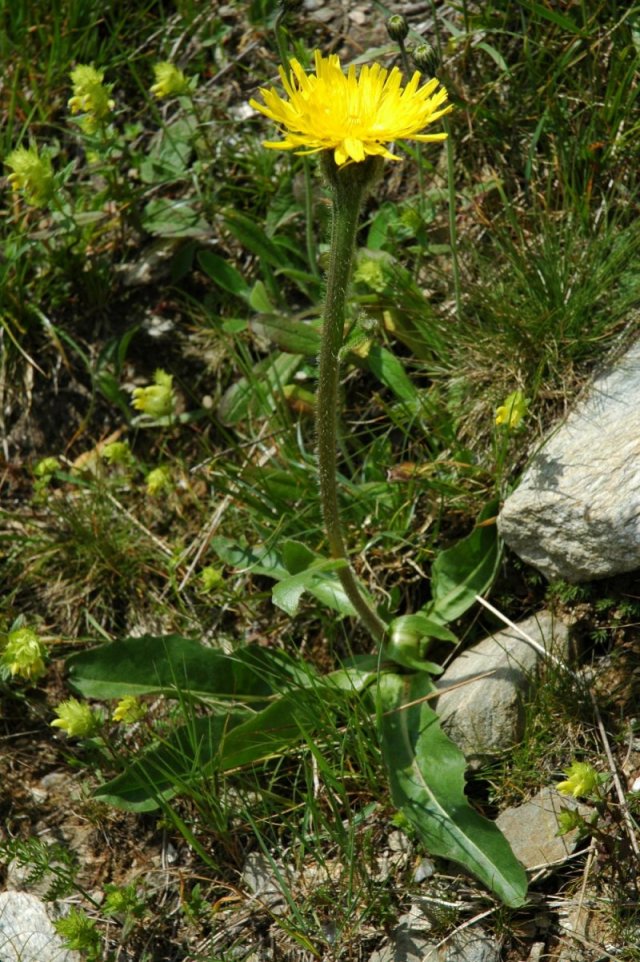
x,y
172,664
426,773
217,743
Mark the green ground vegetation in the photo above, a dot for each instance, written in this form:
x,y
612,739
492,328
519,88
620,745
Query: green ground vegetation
x,y
160,290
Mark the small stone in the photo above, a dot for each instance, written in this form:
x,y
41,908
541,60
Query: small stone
x,y
532,828
487,715
472,945
26,931
259,877
424,870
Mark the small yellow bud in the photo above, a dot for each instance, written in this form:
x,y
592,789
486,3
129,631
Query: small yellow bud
x,y
513,410
23,655
157,399
159,479
170,81
582,780
129,710
32,174
76,718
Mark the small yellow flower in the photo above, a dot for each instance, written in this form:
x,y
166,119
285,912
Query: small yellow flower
x,y
513,410
159,479
46,468
117,452
156,399
354,116
32,173
170,81
581,781
75,718
129,710
211,578
90,96
23,655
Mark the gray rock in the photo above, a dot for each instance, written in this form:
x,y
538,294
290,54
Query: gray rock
x,y
260,878
576,512
487,715
472,945
26,932
411,944
532,828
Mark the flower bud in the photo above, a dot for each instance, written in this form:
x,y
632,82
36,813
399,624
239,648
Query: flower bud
x,y
425,58
397,27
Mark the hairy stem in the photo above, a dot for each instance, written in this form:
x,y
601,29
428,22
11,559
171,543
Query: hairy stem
x,y
349,185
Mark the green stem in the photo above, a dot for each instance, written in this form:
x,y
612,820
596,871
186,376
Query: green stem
x,y
349,184
453,230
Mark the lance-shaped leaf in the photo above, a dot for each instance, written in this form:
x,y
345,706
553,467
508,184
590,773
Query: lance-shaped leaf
x,y
426,772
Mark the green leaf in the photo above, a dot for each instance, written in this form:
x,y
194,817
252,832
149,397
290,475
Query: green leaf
x,y
467,569
253,237
173,218
254,395
409,639
187,756
259,560
259,299
289,334
553,15
217,743
173,664
223,274
495,56
274,729
318,581
390,371
426,773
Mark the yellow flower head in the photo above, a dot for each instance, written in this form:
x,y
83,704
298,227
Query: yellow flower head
x,y
355,116
90,96
156,399
170,81
23,655
159,479
117,452
32,173
513,410
76,718
46,468
129,710
582,780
